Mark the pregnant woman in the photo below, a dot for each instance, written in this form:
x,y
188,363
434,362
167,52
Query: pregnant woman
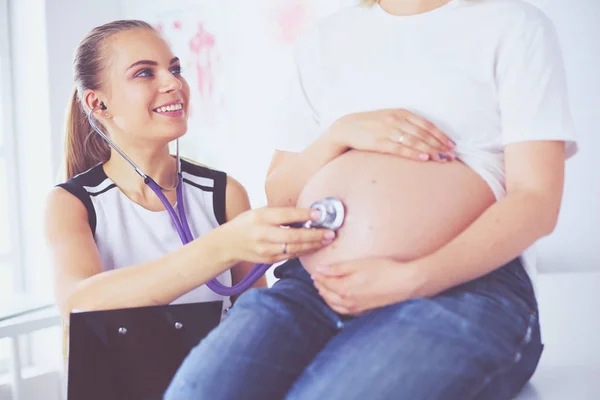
x,y
443,126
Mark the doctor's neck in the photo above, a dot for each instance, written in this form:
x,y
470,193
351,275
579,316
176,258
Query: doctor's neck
x,y
157,163
410,7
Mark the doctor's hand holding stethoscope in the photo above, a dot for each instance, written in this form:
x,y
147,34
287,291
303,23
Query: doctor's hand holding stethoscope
x,y
256,235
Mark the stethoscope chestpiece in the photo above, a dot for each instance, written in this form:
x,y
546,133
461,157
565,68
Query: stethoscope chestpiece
x,y
333,213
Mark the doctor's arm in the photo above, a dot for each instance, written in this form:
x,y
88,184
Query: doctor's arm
x,y
81,283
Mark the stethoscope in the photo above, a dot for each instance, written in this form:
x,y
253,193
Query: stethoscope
x,y
332,215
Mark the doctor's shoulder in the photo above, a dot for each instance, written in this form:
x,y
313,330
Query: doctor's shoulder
x,y
62,203
235,194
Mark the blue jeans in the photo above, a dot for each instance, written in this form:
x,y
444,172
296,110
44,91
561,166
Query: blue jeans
x,y
479,340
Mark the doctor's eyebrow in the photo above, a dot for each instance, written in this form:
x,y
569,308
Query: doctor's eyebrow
x,y
150,62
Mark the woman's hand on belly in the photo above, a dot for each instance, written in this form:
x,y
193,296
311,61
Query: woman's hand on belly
x,y
355,287
394,131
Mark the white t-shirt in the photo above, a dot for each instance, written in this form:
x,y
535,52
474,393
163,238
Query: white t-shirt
x,y
486,72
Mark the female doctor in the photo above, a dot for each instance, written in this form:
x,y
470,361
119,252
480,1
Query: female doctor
x,y
113,244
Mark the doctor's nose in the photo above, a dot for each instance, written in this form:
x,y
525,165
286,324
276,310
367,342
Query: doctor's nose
x,y
170,84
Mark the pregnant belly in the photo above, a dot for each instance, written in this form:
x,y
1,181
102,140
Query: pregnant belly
x,y
395,207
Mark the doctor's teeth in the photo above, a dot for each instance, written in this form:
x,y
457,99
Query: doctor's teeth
x,y
173,107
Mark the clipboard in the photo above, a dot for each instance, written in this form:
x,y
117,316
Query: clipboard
x,y
133,353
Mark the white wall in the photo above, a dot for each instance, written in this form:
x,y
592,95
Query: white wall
x,y
43,36
67,21
568,290
31,115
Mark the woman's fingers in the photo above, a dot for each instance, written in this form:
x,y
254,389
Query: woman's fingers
x,y
430,128
331,297
412,131
413,137
335,301
398,148
421,135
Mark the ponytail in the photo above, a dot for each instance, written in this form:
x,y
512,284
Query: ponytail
x,y
84,148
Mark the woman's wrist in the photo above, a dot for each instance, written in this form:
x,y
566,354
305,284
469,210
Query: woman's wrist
x,y
413,280
334,136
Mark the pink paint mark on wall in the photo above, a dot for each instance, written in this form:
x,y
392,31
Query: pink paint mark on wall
x,y
159,27
292,17
202,46
177,25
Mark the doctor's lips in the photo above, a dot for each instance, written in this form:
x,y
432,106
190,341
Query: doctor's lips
x,y
172,108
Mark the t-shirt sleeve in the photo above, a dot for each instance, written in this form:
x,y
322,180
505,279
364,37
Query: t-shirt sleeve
x,y
532,87
297,121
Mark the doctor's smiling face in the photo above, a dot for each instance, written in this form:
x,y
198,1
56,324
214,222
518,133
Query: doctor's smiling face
x,y
146,96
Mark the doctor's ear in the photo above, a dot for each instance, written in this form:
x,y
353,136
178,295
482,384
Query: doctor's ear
x,y
93,102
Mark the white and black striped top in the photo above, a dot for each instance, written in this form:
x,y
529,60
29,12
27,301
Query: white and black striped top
x,y
128,234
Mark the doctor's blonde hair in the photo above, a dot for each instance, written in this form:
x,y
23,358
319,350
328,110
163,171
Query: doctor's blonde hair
x,y
84,148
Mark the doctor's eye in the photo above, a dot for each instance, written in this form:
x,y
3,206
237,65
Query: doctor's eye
x,y
145,73
176,70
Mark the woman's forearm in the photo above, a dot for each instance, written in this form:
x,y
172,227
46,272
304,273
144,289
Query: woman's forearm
x,y
499,235
286,181
153,283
